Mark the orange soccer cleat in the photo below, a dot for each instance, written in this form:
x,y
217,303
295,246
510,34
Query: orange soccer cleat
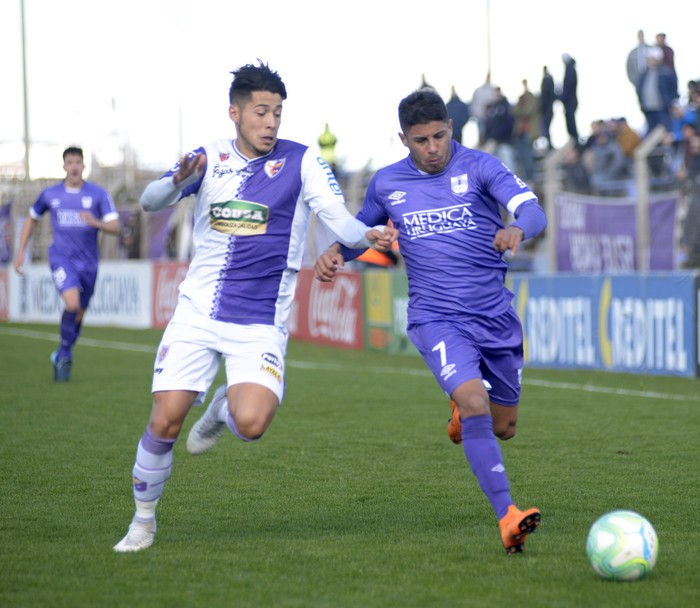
x,y
454,426
516,525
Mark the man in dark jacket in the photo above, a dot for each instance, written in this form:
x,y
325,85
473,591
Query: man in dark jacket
x,y
568,96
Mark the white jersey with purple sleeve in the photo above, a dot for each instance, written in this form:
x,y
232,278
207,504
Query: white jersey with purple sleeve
x,y
250,223
72,237
447,223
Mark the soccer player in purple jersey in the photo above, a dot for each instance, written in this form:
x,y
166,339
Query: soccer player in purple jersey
x,y
446,202
79,210
254,195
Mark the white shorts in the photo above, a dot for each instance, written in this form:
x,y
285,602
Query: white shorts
x,y
192,346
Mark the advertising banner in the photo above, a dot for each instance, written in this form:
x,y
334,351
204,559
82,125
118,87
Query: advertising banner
x,y
122,296
4,296
386,302
167,277
328,313
642,324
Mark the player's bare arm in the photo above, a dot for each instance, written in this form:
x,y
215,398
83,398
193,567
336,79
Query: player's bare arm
x,y
508,239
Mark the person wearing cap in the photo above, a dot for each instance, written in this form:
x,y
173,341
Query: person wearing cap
x,y
657,90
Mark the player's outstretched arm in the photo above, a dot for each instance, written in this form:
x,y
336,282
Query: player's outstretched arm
x,y
164,192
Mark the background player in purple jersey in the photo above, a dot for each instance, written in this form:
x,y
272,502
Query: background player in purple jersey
x,y
79,210
254,195
446,202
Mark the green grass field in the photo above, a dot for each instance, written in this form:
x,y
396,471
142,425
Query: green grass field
x,y
354,498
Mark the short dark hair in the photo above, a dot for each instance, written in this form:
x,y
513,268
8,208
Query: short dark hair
x,y
420,108
72,150
250,78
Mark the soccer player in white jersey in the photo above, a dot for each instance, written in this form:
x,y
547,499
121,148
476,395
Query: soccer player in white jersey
x,y
446,202
253,199
79,210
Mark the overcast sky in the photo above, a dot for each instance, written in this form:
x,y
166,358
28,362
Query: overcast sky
x,y
157,72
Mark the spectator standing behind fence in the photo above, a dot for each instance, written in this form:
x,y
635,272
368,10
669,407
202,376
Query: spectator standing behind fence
x,y
637,59
669,56
527,129
575,176
569,95
79,210
656,91
482,97
609,165
626,137
499,128
459,113
547,98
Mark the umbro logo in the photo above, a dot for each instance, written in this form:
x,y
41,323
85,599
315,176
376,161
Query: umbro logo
x,y
397,197
448,370
499,468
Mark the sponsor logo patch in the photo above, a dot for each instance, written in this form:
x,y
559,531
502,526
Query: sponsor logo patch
x,y
271,359
438,221
241,218
272,371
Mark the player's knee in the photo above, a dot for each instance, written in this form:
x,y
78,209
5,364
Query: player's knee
x,y
504,431
474,405
250,427
164,427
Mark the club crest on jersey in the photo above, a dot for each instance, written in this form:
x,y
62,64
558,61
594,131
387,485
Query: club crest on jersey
x,y
223,156
163,352
87,202
460,184
242,218
273,167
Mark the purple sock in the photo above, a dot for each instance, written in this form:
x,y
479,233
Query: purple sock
x,y
484,456
69,334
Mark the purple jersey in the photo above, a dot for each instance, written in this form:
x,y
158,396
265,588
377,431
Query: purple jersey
x,y
73,239
447,223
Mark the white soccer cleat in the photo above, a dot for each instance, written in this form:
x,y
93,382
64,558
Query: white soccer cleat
x,y
207,430
140,536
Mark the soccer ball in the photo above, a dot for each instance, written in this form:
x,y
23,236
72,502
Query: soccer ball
x,y
622,546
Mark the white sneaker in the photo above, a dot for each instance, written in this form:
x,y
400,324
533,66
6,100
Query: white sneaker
x,y
207,430
140,536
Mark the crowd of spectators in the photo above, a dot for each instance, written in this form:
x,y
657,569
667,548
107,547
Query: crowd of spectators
x,y
602,162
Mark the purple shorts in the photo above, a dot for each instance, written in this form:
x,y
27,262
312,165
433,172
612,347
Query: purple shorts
x,y
469,347
66,276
